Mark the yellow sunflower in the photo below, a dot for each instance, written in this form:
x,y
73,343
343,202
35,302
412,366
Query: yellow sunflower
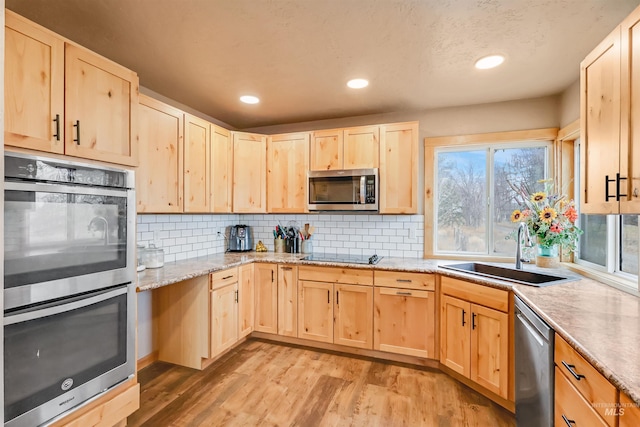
x,y
516,215
538,197
548,214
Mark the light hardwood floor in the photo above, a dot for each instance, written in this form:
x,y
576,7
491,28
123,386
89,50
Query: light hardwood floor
x,y
267,384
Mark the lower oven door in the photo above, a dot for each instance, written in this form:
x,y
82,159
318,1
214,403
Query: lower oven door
x,y
59,354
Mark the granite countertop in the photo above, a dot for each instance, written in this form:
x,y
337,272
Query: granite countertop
x,y
602,323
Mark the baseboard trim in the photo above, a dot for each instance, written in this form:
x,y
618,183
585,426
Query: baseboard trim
x,y
147,360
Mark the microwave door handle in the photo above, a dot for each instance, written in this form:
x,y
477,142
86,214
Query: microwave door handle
x,y
78,302
363,189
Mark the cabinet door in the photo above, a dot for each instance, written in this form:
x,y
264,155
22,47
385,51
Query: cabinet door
x,y
246,300
326,150
224,318
631,415
490,349
197,135
266,298
630,111
221,170
101,108
159,174
404,322
287,300
399,168
287,166
315,317
353,316
600,126
455,339
361,147
33,86
249,173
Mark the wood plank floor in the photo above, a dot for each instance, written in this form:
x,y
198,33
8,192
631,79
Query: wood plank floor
x,y
268,384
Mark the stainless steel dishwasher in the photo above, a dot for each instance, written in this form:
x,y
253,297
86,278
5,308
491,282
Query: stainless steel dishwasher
x,y
534,368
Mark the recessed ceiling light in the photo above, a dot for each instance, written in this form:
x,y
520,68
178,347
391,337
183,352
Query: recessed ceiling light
x,y
358,83
490,61
249,99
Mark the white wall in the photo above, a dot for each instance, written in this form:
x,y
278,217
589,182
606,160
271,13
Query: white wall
x,y
570,104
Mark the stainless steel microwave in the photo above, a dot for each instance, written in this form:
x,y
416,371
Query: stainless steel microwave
x,y
343,190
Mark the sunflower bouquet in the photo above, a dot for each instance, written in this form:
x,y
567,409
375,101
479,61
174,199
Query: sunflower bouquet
x,y
548,215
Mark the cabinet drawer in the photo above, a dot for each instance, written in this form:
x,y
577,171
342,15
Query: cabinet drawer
x,y
336,275
595,388
399,279
223,278
479,294
570,404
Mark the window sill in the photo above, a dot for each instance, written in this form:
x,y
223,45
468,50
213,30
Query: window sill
x,y
625,285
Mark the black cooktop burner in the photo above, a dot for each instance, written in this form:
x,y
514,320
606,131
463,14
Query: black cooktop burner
x,y
347,259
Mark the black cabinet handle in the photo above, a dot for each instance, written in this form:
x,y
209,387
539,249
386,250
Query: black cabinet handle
x,y
473,320
77,126
328,296
463,322
571,368
337,297
271,276
287,268
403,280
236,296
403,293
227,277
57,122
618,179
567,420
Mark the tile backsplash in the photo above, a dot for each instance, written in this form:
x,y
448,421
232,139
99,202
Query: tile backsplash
x,y
187,236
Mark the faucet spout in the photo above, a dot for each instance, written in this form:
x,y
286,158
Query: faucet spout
x,y
522,228
105,227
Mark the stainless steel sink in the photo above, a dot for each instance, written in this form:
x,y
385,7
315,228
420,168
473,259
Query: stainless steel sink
x,y
524,277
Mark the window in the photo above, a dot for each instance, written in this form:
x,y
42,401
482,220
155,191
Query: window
x,y
609,242
474,198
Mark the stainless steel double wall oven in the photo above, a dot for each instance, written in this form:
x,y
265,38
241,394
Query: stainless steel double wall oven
x,y
69,314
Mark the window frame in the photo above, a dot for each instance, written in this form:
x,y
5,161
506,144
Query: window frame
x,y
468,142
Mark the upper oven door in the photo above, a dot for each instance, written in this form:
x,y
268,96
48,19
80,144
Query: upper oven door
x,y
60,240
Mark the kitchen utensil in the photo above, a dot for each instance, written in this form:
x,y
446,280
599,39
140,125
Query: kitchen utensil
x,y
240,238
153,257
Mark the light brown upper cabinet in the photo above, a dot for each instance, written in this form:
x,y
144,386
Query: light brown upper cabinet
x,y
610,122
160,172
101,108
249,173
197,140
221,170
33,86
399,168
352,148
62,98
287,166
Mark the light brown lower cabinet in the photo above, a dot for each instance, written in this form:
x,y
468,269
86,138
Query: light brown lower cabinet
x,y
224,317
571,408
315,314
629,412
474,338
353,311
404,321
287,300
246,300
266,298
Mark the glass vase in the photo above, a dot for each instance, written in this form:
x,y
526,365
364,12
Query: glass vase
x,y
547,256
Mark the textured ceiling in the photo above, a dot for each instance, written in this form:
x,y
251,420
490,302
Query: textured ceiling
x,y
297,55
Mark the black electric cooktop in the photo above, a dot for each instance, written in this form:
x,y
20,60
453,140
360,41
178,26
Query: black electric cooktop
x,y
347,259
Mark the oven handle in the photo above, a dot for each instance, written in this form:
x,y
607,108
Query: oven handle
x,y
62,306
68,189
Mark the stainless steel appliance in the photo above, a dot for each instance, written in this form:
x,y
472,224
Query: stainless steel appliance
x,y
240,238
348,259
343,190
68,228
59,354
534,344
69,315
